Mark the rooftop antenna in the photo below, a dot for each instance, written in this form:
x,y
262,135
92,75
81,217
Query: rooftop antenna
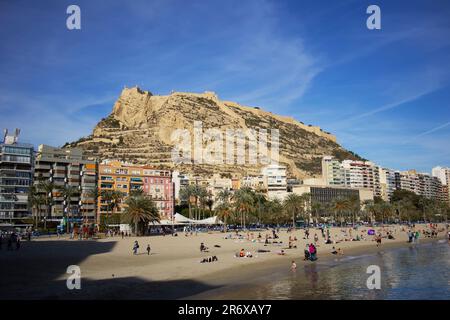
x,y
16,135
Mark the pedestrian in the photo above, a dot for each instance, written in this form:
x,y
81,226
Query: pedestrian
x,y
148,249
135,247
18,243
122,234
378,239
293,266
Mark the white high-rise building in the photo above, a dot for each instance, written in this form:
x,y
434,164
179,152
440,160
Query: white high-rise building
x,y
275,176
443,174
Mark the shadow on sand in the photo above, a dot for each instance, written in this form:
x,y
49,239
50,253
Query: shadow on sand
x,y
37,271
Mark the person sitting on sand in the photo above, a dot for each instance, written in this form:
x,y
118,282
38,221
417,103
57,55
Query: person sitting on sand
x,y
307,255
334,251
248,254
281,252
242,253
203,248
312,252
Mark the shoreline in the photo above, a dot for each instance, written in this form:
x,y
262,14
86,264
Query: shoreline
x,y
236,277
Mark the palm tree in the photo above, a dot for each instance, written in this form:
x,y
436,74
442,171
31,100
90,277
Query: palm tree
x,y
404,207
117,197
353,207
293,204
316,208
224,212
243,202
186,193
35,200
202,196
385,209
371,209
274,210
339,206
47,187
140,209
68,192
112,199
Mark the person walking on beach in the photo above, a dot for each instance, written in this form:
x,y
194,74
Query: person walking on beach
x,y
307,233
378,239
122,234
135,247
148,249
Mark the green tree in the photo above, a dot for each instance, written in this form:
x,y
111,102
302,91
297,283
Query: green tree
x,y
68,192
243,203
293,204
140,210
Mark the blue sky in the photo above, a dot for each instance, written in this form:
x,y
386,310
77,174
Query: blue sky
x,y
383,93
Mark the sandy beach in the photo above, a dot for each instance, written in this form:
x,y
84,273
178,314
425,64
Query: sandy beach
x,y
173,270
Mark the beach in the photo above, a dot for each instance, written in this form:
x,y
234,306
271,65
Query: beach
x,y
173,270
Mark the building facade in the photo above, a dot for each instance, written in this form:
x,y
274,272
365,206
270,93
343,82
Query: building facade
x,y
332,172
362,175
16,177
124,177
275,175
422,184
64,169
443,174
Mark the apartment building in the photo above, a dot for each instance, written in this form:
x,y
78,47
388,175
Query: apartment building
x,y
443,174
422,184
389,182
67,169
217,184
180,180
332,172
362,175
275,175
351,174
125,177
16,177
254,182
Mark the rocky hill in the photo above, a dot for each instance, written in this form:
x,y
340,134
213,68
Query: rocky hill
x,y
140,126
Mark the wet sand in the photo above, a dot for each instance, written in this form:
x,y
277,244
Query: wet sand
x,y
109,270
